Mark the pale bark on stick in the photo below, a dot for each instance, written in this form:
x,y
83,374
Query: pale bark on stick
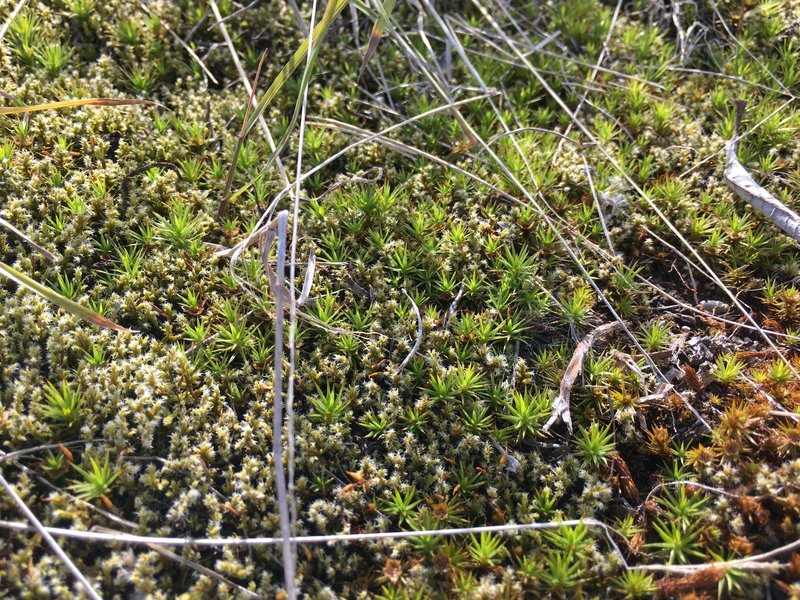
x,y
574,369
418,341
743,184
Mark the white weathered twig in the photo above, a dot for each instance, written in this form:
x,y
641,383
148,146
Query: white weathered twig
x,y
414,349
561,403
741,182
127,538
131,539
293,304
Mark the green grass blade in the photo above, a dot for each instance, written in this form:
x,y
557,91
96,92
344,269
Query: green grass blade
x,y
332,9
377,31
16,110
304,82
56,298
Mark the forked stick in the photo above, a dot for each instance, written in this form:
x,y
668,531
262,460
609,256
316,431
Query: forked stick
x,y
561,403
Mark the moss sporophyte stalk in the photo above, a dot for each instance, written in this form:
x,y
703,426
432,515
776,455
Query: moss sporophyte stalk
x,y
521,297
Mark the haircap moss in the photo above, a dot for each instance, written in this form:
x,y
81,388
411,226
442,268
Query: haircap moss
x,y
513,233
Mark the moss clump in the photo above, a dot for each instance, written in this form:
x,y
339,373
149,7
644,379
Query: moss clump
x,y
171,421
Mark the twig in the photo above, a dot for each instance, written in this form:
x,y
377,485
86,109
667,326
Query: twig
x,y
741,182
419,334
126,538
6,456
233,15
561,403
744,565
194,565
308,280
597,204
298,17
371,175
293,303
512,464
748,562
277,413
48,538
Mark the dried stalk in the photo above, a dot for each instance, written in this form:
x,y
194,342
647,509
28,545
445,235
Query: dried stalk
x,y
287,545
44,252
741,182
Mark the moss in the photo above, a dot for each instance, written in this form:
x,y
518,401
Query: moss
x,y
182,402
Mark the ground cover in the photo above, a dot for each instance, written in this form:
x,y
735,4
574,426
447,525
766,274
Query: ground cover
x,y
534,299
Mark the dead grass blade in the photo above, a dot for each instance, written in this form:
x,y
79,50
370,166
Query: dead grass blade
x,y
16,110
743,184
377,33
68,305
418,341
46,253
308,280
195,566
133,539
